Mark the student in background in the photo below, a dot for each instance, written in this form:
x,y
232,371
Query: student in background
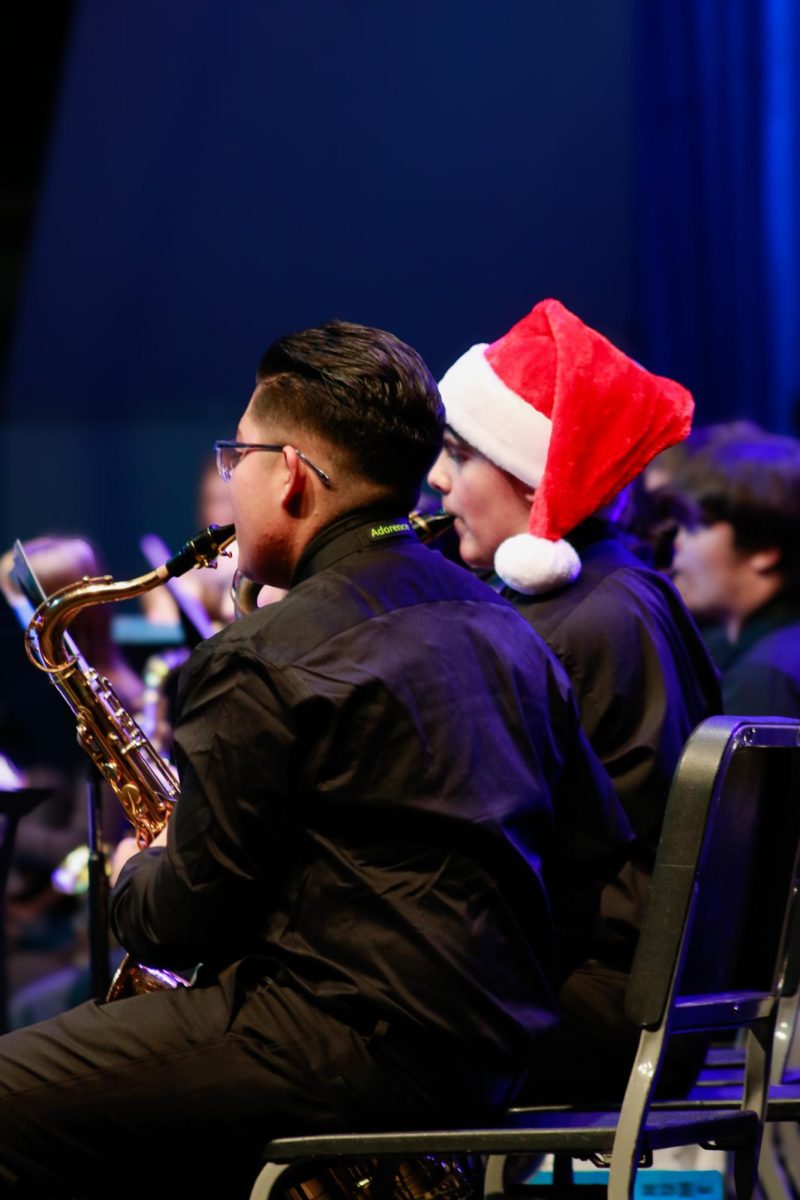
x,y
545,428
737,566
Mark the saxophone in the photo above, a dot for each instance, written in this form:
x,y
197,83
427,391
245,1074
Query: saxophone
x,y
142,781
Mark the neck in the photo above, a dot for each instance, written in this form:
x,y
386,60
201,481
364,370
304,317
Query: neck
x,y
362,507
355,529
764,589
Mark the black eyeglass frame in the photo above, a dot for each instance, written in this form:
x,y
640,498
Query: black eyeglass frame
x,y
229,444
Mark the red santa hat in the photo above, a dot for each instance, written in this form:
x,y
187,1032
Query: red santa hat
x,y
558,406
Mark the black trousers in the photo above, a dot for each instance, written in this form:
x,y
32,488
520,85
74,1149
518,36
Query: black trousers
x,y
203,1078
588,1057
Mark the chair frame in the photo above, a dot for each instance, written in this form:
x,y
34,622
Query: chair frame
x,y
721,1080
625,1136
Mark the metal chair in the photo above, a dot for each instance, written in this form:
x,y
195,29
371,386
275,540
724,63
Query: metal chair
x,y
721,1081
711,956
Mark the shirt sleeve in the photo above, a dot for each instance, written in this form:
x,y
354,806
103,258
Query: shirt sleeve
x,y
593,841
203,898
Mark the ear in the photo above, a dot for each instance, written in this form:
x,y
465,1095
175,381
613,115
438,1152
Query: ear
x,y
294,482
765,561
523,490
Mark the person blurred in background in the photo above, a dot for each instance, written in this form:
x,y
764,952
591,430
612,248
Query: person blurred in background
x,y
671,462
737,564
211,588
48,959
652,511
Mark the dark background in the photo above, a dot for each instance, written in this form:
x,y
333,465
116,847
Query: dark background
x,y
185,181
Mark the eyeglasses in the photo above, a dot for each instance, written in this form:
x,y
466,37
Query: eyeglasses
x,y
229,455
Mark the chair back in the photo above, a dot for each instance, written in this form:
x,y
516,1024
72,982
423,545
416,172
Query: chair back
x,y
786,1046
712,951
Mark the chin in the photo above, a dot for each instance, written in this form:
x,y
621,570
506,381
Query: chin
x,y
267,573
472,557
248,567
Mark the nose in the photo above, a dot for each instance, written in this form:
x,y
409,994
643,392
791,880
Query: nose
x,y
438,477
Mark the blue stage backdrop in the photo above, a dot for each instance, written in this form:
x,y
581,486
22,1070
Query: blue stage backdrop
x,y
718,197
220,173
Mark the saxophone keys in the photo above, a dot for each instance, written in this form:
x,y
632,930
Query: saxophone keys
x,y
129,797
83,729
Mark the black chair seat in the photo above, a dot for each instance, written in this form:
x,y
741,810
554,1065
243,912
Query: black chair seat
x,y
533,1131
783,1103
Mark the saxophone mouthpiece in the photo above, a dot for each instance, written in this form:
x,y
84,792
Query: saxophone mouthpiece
x,y
201,550
431,525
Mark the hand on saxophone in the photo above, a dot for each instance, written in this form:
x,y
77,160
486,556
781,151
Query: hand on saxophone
x,y
126,849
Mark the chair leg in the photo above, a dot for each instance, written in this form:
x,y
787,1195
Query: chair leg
x,y
267,1177
563,1173
787,1143
625,1152
506,1177
494,1182
772,1177
745,1170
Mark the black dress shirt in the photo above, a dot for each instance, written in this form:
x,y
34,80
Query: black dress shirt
x,y
761,669
643,679
378,775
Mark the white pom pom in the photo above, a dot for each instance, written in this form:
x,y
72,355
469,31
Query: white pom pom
x,y
534,565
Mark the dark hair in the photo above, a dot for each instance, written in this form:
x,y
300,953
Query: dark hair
x,y
674,459
364,390
754,484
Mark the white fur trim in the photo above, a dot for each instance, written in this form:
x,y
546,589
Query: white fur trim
x,y
534,565
493,419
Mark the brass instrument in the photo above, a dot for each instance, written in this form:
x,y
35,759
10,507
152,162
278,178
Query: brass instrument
x,y
142,782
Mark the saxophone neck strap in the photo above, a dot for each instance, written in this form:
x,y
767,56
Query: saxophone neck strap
x,y
356,532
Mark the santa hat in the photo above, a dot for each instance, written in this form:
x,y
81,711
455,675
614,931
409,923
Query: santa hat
x,y
562,409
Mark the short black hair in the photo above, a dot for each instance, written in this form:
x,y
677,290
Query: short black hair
x,y
364,390
752,482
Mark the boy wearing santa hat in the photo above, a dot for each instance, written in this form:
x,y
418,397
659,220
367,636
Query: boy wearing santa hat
x,y
546,427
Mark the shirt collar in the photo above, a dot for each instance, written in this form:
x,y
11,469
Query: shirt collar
x,y
356,530
783,609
